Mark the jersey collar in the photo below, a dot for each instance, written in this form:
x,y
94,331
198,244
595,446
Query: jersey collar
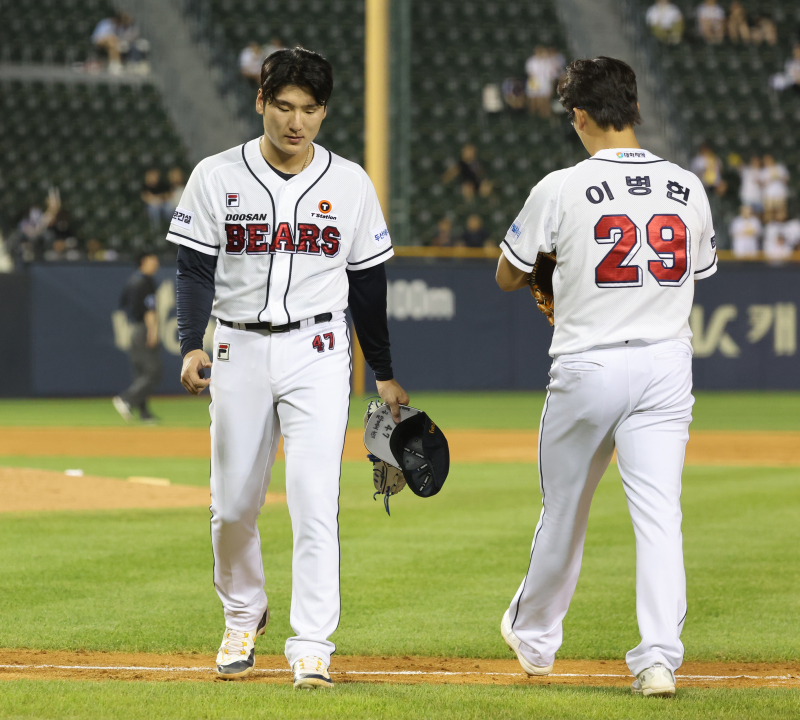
x,y
626,155
259,167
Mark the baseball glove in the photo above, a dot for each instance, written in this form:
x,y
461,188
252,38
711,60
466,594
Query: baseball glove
x,y
541,283
388,480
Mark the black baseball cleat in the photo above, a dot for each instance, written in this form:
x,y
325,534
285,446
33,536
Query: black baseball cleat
x,y
237,654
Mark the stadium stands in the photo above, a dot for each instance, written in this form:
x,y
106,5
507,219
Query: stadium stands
x,y
51,31
94,142
722,94
457,48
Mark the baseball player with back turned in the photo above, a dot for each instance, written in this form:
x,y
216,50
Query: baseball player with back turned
x,y
281,235
632,234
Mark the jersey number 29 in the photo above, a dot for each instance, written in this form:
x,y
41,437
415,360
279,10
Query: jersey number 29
x,y
666,234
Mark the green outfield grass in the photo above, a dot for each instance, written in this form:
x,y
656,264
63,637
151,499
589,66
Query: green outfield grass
x,y
146,700
434,579
512,410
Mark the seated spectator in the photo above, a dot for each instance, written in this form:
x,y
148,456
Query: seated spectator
x,y
177,186
118,37
469,170
443,237
764,31
156,194
708,167
738,29
665,21
745,230
27,243
776,248
750,192
474,235
539,89
513,90
790,78
781,227
250,60
775,182
711,21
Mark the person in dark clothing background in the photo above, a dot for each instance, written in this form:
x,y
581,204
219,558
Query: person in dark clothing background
x,y
138,300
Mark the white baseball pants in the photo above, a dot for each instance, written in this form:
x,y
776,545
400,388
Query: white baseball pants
x,y
272,385
636,398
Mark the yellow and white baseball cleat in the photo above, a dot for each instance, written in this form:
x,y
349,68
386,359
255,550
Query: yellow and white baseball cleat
x,y
237,654
311,673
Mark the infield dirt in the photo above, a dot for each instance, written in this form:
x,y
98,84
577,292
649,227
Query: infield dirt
x,y
756,448
80,665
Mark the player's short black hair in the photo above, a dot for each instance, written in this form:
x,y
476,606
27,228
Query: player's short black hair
x,y
605,88
299,67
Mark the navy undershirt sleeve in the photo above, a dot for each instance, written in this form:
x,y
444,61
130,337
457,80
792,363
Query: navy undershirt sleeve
x,y
194,291
367,301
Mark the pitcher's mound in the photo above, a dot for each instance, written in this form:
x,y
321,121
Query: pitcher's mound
x,y
24,489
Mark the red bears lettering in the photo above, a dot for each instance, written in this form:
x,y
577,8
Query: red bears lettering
x,y
330,241
257,239
283,240
236,239
307,236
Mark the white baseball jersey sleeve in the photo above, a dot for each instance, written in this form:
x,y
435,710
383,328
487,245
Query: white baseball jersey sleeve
x,y
282,245
632,233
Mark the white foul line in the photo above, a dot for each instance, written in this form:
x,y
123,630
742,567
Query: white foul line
x,y
387,672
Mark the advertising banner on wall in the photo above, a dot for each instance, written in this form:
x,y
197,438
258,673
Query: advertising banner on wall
x,y
451,329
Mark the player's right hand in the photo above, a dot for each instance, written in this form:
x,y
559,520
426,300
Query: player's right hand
x,y
194,362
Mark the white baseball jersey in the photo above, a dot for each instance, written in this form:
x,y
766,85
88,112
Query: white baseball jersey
x,y
632,232
283,246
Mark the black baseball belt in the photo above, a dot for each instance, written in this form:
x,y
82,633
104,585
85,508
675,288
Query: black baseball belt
x,y
269,327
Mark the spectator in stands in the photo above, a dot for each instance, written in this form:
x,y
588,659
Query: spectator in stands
x,y
444,235
764,31
790,78
177,185
750,192
156,194
708,167
777,249
781,235
738,29
513,90
27,243
6,261
250,60
665,21
711,21
118,37
775,182
63,245
474,235
272,46
540,81
745,231
470,172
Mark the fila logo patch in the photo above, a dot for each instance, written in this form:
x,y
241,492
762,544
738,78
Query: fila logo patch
x,y
224,351
231,199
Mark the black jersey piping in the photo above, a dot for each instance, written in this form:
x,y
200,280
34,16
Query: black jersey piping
x,y
361,262
291,258
524,262
628,162
186,237
274,226
705,269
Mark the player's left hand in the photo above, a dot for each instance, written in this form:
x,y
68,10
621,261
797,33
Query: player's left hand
x,y
393,395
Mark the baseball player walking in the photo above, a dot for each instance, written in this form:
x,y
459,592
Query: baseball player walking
x,y
280,234
632,233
